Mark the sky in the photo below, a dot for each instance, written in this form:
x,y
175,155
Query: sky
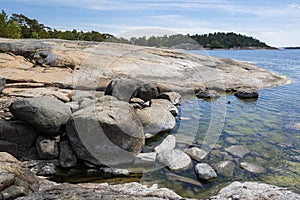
x,y
276,22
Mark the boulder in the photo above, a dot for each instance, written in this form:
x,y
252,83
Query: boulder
x,y
237,150
168,143
147,92
174,159
123,88
15,179
47,148
247,93
173,97
47,114
251,167
107,133
67,157
254,190
2,84
208,94
156,119
205,172
166,104
196,153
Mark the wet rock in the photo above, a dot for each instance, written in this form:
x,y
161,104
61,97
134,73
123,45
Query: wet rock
x,y
156,119
13,192
166,104
23,177
107,133
2,84
251,167
205,172
237,150
47,148
174,159
177,178
247,93
208,94
173,97
47,114
123,88
196,153
145,160
254,190
6,179
67,157
168,143
225,168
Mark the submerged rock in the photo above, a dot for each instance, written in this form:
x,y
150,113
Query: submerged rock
x,y
205,172
47,114
237,150
145,160
107,133
225,168
254,190
251,167
247,93
196,153
174,159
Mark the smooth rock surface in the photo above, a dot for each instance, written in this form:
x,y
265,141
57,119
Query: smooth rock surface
x,y
47,114
254,190
196,153
107,133
237,150
205,172
251,167
174,159
156,119
168,143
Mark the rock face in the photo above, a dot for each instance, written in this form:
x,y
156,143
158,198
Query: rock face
x,y
174,159
47,114
205,172
15,179
156,119
247,93
108,133
2,84
254,190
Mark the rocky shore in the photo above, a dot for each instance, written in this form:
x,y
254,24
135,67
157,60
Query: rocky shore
x,y
66,104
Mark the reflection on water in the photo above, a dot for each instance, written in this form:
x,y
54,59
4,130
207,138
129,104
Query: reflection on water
x,y
264,127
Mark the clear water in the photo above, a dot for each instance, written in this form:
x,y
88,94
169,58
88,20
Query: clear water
x,y
263,126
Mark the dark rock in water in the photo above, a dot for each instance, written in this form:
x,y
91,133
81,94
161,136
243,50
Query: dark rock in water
x,y
2,84
254,190
107,133
123,88
47,148
174,159
208,94
173,97
67,157
251,167
47,114
205,172
175,177
156,119
247,93
166,104
17,132
24,181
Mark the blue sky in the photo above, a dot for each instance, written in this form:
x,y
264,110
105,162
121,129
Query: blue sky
x,y
275,22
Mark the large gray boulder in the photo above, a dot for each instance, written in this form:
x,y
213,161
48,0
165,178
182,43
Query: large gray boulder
x,y
107,133
47,114
156,119
2,84
254,190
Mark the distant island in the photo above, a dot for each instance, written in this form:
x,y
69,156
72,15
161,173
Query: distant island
x,y
291,47
18,26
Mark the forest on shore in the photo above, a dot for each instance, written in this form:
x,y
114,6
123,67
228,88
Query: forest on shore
x,y
19,26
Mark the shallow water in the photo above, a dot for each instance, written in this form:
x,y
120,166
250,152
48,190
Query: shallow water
x,y
263,126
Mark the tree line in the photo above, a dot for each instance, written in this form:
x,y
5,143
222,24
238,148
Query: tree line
x,y
20,26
